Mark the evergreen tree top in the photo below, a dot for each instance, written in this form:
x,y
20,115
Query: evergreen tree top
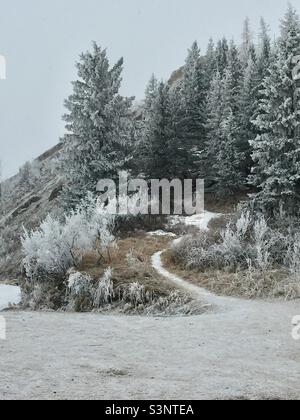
x,y
289,41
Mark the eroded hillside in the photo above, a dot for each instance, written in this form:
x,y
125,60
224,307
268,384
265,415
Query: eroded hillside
x,y
26,200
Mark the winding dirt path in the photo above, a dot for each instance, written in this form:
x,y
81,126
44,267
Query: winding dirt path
x,y
202,222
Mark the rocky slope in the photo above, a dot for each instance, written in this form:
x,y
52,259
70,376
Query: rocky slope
x,y
26,199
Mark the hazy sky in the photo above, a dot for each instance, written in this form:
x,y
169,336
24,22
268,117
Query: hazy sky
x,y
41,40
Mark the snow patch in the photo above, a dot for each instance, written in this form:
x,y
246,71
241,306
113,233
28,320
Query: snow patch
x,y
201,221
9,295
162,233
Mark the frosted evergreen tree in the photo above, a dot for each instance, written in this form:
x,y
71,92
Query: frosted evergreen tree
x,y
223,156
262,64
193,92
211,64
247,106
149,114
230,158
227,167
150,94
98,125
235,73
182,159
264,48
157,136
247,48
222,55
277,149
214,120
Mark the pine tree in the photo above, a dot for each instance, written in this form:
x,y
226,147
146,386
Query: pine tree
x,y
192,121
247,47
96,143
262,64
157,136
230,179
235,72
151,94
247,104
211,64
214,120
277,149
223,155
222,56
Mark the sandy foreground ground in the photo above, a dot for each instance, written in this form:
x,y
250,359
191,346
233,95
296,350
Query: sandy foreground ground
x,y
248,353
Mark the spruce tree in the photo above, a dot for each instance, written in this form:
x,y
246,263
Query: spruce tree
x,y
222,56
235,72
261,65
211,64
247,105
98,125
247,47
277,149
214,120
192,120
223,155
157,136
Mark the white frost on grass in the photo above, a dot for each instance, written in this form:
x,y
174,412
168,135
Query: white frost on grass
x,y
9,295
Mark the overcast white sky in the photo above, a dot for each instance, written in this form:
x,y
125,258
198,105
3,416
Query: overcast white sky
x,y
42,39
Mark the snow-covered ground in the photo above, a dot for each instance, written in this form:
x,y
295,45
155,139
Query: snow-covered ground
x,y
247,352
9,295
239,349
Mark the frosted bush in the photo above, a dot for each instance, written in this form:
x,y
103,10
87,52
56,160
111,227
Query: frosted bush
x,y
262,244
293,257
231,250
46,250
243,224
80,291
79,283
135,294
104,293
242,241
59,244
